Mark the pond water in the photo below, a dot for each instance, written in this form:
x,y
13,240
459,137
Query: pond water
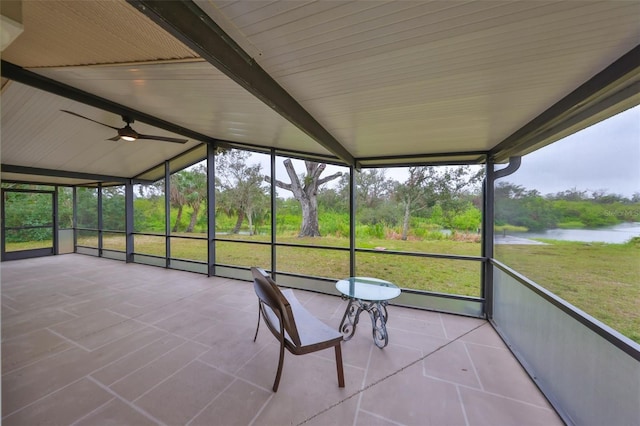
x,y
617,234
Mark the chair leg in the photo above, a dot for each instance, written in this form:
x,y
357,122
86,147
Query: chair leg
x,y
339,365
280,363
258,326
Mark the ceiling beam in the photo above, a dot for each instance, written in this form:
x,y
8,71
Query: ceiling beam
x,y
23,170
189,24
30,78
617,82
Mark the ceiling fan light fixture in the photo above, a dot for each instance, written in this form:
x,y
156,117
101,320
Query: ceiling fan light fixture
x,y
127,133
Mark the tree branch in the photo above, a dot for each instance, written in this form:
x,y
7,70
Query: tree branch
x,y
283,185
329,178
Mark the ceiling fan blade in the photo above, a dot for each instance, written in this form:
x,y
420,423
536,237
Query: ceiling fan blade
x,y
162,138
90,119
115,138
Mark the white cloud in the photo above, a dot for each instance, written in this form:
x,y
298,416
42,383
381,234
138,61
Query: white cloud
x,y
603,156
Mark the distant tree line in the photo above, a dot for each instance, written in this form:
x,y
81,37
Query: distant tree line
x,y
429,199
519,206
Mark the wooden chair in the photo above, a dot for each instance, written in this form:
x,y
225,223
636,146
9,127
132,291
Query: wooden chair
x,y
296,329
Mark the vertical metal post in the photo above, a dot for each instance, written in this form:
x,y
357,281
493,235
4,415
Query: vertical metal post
x,y
167,214
56,222
273,213
352,221
488,240
100,222
3,223
128,220
75,219
488,237
211,209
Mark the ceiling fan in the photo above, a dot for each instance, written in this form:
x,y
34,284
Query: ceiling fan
x,y
126,133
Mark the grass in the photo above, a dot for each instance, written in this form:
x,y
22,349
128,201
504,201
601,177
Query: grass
x,y
601,279
28,245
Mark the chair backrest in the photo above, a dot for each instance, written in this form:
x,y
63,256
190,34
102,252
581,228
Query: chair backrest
x,y
269,293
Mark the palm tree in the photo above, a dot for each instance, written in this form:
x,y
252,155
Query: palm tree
x,y
188,188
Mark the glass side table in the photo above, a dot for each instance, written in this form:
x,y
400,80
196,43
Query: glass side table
x,y
371,295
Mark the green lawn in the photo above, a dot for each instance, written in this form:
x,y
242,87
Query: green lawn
x,y
601,279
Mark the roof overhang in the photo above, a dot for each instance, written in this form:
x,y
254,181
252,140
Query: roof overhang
x,y
362,83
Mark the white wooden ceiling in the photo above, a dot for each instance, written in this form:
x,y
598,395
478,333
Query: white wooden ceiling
x,y
399,78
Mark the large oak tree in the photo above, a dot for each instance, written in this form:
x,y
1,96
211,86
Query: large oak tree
x,y
305,191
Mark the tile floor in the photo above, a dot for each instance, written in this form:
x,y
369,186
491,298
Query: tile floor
x,y
90,341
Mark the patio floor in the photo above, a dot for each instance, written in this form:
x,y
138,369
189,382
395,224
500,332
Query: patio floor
x,y
91,341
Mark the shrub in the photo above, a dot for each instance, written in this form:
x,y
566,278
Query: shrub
x,y
511,228
634,242
469,220
571,225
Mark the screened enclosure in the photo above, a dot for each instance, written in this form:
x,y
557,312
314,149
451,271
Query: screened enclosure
x,y
407,141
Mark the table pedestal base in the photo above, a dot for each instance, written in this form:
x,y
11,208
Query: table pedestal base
x,y
377,311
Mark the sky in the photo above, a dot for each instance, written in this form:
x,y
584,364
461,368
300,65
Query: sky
x,y
605,156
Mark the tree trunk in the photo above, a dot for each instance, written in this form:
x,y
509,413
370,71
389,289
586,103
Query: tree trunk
x,y
178,218
405,222
310,226
194,219
236,228
250,220
307,194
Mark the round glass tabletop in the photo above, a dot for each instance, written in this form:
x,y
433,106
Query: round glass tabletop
x,y
366,288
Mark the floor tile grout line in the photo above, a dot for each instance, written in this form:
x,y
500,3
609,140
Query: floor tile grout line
x,y
9,339
88,375
264,407
388,376
444,329
484,345
145,365
332,359
71,341
473,365
63,310
165,379
212,400
171,333
167,304
464,410
40,328
451,382
497,395
93,411
130,404
6,373
234,375
417,333
181,313
265,345
24,407
116,339
100,331
5,307
125,355
9,297
382,418
364,381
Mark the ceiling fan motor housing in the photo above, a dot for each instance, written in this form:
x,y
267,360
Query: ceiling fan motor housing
x,y
127,133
